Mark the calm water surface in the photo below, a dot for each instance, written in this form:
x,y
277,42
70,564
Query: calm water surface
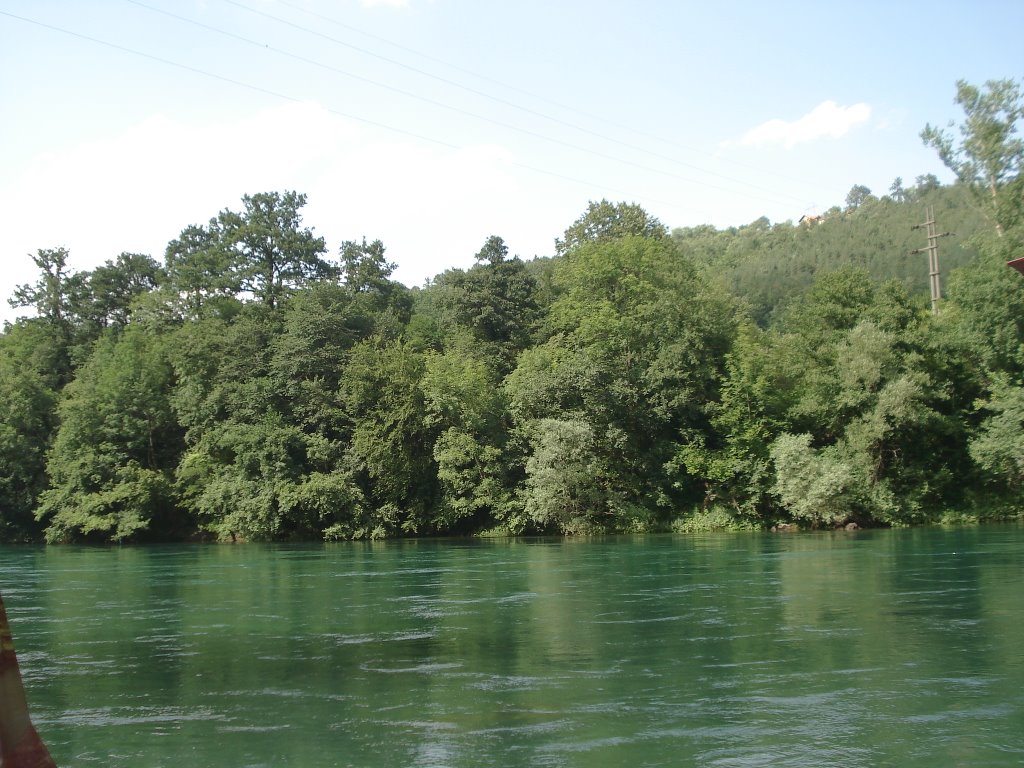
x,y
882,648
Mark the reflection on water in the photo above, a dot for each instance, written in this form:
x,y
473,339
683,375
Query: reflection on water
x,y
877,648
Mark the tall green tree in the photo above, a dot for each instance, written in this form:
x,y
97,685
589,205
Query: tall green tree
x,y
54,296
308,356
857,196
898,192
997,445
392,444
987,305
111,463
199,269
495,301
262,251
112,288
27,420
636,353
989,152
273,252
53,293
366,274
604,221
364,268
257,395
465,405
869,403
731,460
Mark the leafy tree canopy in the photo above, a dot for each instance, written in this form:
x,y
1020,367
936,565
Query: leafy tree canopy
x,y
608,221
989,153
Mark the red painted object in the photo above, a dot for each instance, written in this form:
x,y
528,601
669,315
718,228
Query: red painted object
x,y
20,745
1017,264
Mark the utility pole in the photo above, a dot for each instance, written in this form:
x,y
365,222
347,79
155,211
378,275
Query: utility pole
x,y
933,255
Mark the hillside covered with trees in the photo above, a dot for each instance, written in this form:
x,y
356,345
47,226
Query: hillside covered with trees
x,y
253,386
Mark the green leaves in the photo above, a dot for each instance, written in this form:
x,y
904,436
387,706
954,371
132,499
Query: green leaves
x,y
255,391
51,295
111,461
271,253
990,153
262,251
812,485
636,354
605,222
495,302
564,488
998,447
251,480
391,445
27,418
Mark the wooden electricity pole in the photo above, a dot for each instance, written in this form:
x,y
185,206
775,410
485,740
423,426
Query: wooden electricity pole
x,y
932,250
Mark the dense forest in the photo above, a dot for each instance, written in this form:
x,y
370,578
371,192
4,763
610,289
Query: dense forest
x,y
254,387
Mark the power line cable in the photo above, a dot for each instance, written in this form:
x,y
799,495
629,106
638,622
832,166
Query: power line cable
x,y
425,99
222,78
295,99
523,91
505,102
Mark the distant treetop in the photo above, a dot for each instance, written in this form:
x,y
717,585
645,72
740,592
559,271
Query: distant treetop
x,y
608,221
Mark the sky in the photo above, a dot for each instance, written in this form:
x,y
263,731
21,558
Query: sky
x,y
433,124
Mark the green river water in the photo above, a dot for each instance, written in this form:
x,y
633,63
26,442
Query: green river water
x,y
877,648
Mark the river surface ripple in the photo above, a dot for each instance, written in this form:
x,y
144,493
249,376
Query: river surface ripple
x,y
878,648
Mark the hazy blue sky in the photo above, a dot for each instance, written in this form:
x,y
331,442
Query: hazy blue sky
x,y
432,124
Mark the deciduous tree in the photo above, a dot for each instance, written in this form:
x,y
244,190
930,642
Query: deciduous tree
x,y
989,153
608,221
111,461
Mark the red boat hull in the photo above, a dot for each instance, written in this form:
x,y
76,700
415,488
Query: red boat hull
x,y
20,745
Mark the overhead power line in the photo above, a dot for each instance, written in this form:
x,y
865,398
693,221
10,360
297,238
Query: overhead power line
x,y
568,108
409,94
215,76
775,194
295,99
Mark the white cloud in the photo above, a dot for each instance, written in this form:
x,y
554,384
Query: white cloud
x,y
386,3
828,119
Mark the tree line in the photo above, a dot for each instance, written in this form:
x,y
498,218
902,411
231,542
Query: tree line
x,y
254,387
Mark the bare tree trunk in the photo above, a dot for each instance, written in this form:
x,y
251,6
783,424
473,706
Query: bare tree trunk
x,y
995,204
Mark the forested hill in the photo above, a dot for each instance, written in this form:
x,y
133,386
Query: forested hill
x,y
253,386
769,263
